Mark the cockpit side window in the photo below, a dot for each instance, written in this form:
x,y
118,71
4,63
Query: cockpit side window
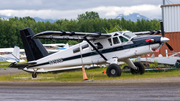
x,y
115,40
110,42
123,39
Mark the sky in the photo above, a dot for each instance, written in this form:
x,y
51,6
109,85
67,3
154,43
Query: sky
x,y
69,9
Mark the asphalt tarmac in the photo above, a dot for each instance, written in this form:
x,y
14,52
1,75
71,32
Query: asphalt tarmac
x,y
34,91
10,71
151,89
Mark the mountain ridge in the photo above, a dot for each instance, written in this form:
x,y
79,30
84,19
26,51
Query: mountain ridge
x,y
133,17
35,18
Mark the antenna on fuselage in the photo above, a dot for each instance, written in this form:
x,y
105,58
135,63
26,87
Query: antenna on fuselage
x,y
116,28
120,28
104,30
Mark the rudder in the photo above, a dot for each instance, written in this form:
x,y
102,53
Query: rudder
x,y
33,47
16,52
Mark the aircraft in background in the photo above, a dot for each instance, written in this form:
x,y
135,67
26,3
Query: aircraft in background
x,y
171,60
51,48
96,48
14,57
55,47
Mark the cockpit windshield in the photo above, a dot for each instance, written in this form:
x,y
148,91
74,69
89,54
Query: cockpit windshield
x,y
129,35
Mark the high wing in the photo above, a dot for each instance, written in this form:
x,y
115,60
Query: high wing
x,y
147,32
70,35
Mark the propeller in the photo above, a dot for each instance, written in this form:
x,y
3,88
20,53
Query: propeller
x,y
157,50
170,48
163,39
162,28
157,32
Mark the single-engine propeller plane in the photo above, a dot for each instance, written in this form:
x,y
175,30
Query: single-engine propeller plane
x,y
96,48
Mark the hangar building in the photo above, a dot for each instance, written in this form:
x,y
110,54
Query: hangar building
x,y
171,19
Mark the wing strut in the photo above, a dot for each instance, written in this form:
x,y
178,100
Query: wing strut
x,y
95,49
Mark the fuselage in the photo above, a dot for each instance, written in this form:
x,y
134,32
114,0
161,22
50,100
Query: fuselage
x,y
120,45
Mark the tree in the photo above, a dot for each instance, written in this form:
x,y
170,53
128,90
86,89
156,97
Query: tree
x,y
88,15
86,22
72,42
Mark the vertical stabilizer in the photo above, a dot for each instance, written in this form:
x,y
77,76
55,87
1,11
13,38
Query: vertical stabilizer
x,y
66,46
33,47
16,52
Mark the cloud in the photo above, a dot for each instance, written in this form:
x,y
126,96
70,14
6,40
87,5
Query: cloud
x,y
150,11
147,10
112,13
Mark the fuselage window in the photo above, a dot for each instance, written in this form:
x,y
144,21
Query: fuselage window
x,y
85,46
76,50
115,40
110,42
98,46
123,39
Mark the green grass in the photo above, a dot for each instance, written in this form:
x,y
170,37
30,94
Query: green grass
x,y
4,64
94,74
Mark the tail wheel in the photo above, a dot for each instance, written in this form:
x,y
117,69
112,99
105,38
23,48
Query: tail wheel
x,y
34,75
113,70
140,68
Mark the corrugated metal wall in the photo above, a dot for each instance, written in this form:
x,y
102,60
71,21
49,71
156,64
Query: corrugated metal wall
x,y
174,42
171,17
171,27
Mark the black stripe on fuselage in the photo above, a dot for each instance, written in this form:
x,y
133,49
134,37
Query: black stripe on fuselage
x,y
137,42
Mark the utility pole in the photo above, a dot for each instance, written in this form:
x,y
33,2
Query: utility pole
x,y
163,12
163,2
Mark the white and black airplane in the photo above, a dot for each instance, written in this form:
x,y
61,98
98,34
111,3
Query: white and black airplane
x,y
96,48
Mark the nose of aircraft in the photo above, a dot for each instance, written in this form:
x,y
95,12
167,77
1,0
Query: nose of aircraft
x,y
164,39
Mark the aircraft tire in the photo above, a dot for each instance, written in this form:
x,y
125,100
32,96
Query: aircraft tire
x,y
113,70
140,67
34,75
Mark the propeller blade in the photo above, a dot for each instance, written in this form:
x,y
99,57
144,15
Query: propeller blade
x,y
157,32
162,28
170,48
151,32
157,50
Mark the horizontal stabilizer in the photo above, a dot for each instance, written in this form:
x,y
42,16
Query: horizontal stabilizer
x,y
21,65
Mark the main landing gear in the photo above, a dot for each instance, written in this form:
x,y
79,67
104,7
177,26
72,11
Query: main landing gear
x,y
140,68
114,70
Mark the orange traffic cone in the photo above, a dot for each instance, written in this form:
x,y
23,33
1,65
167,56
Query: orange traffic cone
x,y
84,74
104,71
